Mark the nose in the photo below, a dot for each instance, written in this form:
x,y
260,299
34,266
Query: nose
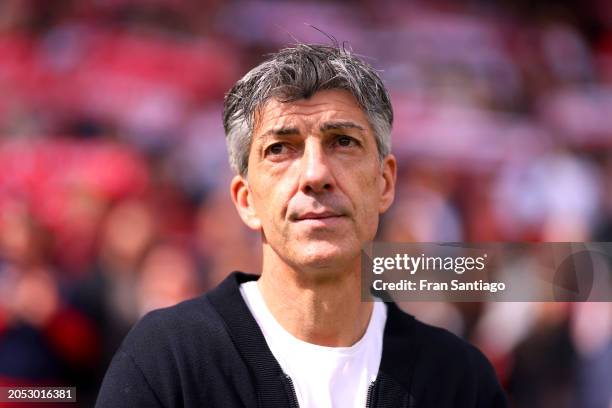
x,y
316,174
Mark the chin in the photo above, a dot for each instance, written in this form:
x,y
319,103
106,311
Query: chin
x,y
324,255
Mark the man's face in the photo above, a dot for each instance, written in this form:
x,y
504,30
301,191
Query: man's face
x,y
315,185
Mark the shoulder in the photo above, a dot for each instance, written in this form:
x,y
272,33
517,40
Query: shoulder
x,y
175,327
437,344
445,364
198,327
441,344
182,316
177,356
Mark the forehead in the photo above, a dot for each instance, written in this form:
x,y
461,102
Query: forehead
x,y
324,105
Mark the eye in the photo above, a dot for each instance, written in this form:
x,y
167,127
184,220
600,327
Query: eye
x,y
346,141
275,149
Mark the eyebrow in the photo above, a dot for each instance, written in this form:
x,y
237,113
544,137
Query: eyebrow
x,y
283,131
339,126
325,127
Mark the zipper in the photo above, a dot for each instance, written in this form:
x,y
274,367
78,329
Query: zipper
x,y
370,395
293,401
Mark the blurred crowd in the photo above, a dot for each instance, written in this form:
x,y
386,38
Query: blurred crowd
x,y
114,182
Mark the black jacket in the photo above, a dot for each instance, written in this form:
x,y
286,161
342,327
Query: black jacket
x,y
210,352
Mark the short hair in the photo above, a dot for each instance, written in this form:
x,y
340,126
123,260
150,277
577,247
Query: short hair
x,y
298,72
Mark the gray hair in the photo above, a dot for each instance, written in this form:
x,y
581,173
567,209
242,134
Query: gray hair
x,y
298,73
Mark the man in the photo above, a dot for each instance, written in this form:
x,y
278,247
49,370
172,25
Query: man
x,y
308,135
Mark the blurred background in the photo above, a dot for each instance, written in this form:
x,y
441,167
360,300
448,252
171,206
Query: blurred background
x,y
114,182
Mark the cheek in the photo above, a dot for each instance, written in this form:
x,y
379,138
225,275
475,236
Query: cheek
x,y
370,185
366,193
270,202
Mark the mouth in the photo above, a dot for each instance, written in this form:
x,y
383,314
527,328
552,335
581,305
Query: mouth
x,y
318,216
324,220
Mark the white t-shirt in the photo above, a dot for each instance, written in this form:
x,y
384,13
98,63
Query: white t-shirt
x,y
323,377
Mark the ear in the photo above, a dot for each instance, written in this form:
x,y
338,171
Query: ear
x,y
387,183
243,201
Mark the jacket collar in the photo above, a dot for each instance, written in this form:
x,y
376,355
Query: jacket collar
x,y
400,348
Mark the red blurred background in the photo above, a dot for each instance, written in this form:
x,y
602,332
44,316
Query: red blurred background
x,y
114,182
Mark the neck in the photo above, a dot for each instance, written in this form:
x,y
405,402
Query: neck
x,y
319,306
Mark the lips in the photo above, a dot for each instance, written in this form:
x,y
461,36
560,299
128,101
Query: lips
x,y
319,215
